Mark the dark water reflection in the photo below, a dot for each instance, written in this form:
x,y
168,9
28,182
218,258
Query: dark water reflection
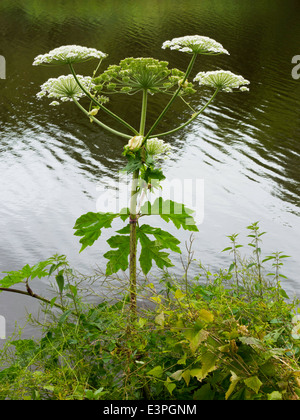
x,y
246,147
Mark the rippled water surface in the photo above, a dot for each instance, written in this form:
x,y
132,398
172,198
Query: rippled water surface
x,y
245,149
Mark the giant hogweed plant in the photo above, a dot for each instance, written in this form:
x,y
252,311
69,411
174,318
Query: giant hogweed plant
x,y
144,147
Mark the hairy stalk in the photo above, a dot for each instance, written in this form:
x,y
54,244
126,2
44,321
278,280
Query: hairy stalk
x,y
188,71
93,99
133,215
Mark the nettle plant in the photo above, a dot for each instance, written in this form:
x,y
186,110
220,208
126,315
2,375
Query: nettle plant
x,y
144,148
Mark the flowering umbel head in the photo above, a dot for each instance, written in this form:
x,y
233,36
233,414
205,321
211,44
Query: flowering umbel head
x,y
158,148
222,80
65,88
68,54
195,44
143,73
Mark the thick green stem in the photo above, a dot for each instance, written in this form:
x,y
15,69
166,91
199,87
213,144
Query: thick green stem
x,y
93,99
106,127
143,112
133,241
187,73
193,117
133,215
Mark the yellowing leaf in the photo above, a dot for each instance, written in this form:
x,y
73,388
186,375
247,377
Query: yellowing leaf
x,y
186,376
275,395
177,375
182,361
160,319
253,383
208,363
179,295
205,315
195,338
233,382
197,372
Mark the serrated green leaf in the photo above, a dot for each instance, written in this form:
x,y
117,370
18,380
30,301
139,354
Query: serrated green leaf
x,y
60,281
169,385
18,276
157,372
125,230
118,259
253,383
151,251
124,213
169,210
89,226
150,174
133,164
163,239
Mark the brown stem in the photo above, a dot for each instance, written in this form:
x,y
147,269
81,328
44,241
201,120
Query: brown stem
x,y
31,294
133,241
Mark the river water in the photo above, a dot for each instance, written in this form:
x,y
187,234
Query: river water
x,y
240,160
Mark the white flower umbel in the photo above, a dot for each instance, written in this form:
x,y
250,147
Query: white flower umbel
x,y
222,80
156,147
65,88
68,54
195,44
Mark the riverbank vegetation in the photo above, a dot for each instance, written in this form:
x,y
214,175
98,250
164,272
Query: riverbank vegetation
x,y
227,335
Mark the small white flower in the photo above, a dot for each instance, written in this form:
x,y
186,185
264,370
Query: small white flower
x,y
195,44
68,54
54,103
65,88
223,80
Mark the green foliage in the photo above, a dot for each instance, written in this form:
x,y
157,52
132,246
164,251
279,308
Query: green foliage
x,y
90,225
38,270
212,341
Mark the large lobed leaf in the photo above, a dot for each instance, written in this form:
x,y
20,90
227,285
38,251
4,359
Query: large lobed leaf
x,y
89,226
169,210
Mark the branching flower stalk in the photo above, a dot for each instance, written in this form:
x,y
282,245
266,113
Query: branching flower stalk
x,y
144,150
